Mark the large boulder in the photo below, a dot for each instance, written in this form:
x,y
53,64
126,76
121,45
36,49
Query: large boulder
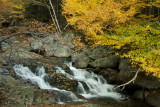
x,y
49,49
2,59
154,99
81,60
98,53
18,53
51,38
62,51
18,94
127,72
140,94
107,62
35,45
13,93
57,49
62,82
110,75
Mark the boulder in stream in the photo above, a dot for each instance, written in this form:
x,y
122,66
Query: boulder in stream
x,y
81,60
143,81
107,62
154,98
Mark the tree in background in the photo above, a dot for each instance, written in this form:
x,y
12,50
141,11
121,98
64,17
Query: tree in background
x,y
49,5
12,9
99,20
93,16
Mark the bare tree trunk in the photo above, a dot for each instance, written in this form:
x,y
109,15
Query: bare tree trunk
x,y
53,19
55,16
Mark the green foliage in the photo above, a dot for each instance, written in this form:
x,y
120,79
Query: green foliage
x,y
142,40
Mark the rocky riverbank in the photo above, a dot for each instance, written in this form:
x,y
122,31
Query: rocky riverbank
x,y
42,50
118,70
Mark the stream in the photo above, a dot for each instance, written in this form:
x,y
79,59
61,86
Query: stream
x,y
93,87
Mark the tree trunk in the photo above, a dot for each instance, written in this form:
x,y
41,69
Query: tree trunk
x,y
54,13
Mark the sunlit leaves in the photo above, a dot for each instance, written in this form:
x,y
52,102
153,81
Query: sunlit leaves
x,y
141,42
93,16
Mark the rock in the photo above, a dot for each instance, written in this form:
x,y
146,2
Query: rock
x,y
110,75
35,45
81,60
49,49
62,51
62,82
5,46
49,39
18,53
108,62
127,72
154,99
17,94
98,53
141,94
42,97
57,49
2,59
87,51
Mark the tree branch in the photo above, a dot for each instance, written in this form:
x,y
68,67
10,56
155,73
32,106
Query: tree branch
x,y
132,80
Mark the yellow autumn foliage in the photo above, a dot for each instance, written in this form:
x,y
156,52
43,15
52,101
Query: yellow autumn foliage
x,y
141,42
93,16
11,8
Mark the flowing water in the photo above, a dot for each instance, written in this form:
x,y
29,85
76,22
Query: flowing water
x,y
90,85
38,78
97,86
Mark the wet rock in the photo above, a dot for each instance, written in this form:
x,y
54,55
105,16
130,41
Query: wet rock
x,y
110,75
42,97
81,60
154,99
127,72
17,94
62,82
141,94
108,62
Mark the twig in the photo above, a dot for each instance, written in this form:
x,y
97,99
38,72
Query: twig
x,y
132,80
65,26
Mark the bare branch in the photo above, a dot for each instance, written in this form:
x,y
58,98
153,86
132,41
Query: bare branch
x,y
132,80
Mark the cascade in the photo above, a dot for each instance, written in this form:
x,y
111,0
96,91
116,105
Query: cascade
x,y
96,85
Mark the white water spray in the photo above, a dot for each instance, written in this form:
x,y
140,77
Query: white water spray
x,y
97,85
38,78
89,84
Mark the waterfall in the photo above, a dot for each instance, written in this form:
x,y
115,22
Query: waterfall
x,y
89,84
38,78
97,85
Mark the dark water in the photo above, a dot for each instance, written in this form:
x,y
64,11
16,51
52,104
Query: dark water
x,y
102,102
